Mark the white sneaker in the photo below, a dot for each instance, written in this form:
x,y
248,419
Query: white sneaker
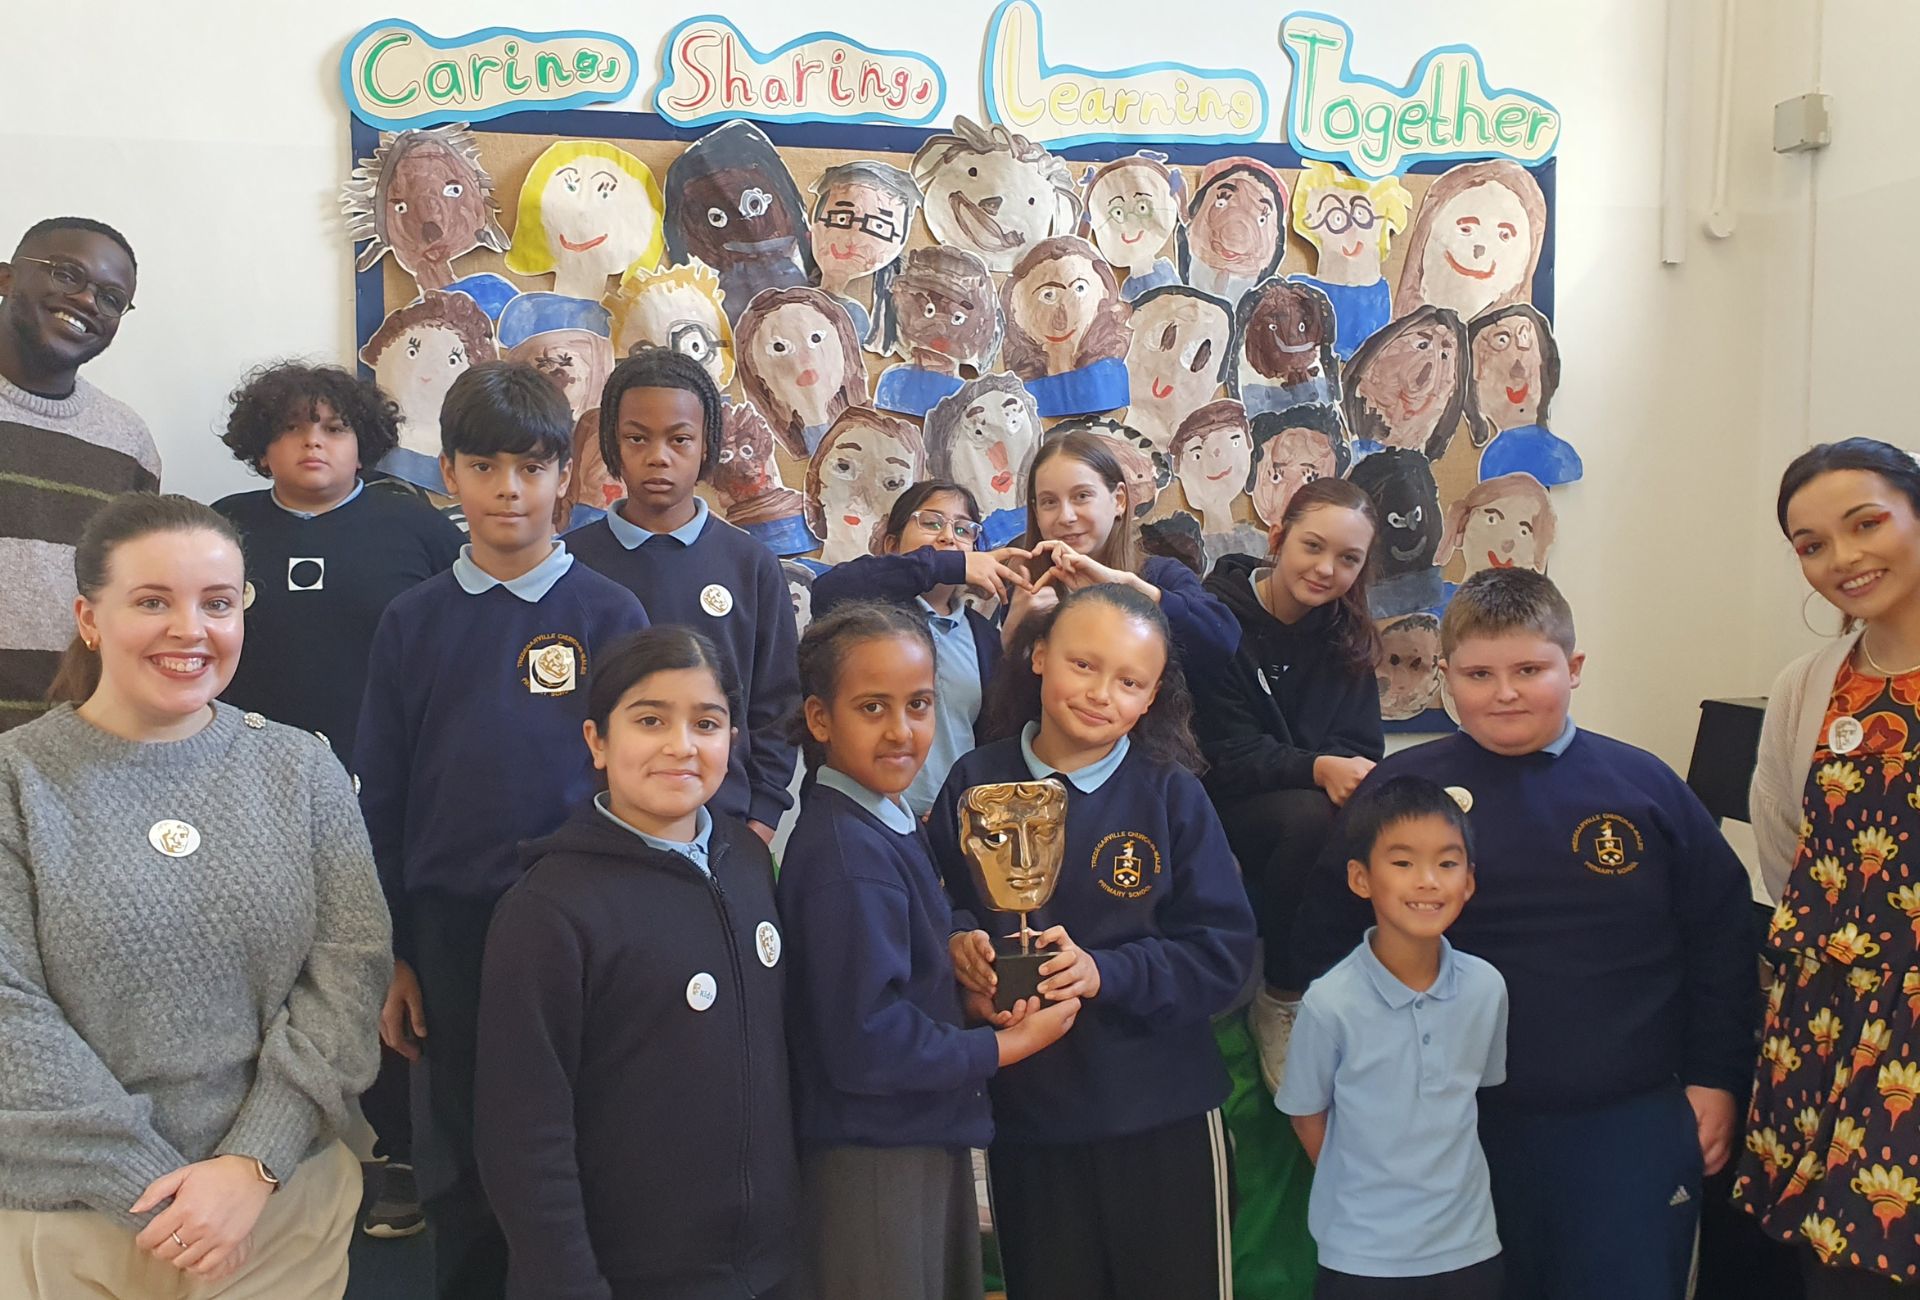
x,y
1271,1022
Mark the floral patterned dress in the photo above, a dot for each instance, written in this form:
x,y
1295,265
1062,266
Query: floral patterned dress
x,y
1833,1147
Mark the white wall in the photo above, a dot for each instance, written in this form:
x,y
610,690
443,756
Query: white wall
x,y
218,145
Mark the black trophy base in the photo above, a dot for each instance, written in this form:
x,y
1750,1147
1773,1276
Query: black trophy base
x,y
1019,977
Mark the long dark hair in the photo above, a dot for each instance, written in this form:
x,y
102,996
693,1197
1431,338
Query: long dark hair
x,y
908,504
662,648
1122,547
1164,731
1352,629
824,647
1897,467
127,518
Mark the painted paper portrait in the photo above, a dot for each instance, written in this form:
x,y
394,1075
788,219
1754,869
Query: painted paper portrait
x,y
1350,223
1285,330
1179,354
866,460
423,197
678,308
800,364
415,355
994,193
983,437
1147,473
752,493
1476,241
588,210
1133,207
1291,449
1406,500
947,313
732,203
1409,385
1067,328
1500,523
1236,231
1516,370
862,214
1408,673
569,340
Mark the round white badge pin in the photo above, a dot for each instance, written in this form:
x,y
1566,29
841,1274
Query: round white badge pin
x,y
716,600
246,596
1845,735
701,991
173,837
766,939
1462,796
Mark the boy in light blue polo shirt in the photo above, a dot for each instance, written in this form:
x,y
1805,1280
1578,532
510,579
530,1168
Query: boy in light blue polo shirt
x,y
1388,1054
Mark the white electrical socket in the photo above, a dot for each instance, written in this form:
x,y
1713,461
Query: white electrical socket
x,y
1803,123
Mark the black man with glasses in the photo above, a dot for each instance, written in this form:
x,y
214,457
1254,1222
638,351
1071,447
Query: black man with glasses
x,y
65,446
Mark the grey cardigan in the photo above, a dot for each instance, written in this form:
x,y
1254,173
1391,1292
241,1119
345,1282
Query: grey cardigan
x,y
1788,734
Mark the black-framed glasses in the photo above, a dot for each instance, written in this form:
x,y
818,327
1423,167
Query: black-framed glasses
x,y
72,277
1339,220
964,530
881,225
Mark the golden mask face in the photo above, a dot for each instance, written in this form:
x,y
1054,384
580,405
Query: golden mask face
x,y
1014,835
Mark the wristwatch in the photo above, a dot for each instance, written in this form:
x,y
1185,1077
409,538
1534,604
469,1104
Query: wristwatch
x,y
266,1175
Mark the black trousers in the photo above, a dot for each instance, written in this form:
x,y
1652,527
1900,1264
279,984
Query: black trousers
x,y
1475,1282
469,1250
1278,836
1145,1217
387,1107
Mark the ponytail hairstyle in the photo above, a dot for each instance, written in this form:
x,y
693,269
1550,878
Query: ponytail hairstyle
x,y
1897,467
1164,731
1352,631
1122,548
662,648
824,647
126,518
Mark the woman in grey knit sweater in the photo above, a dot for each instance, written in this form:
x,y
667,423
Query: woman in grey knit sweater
x,y
193,951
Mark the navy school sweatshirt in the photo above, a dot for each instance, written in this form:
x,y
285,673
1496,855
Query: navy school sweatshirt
x,y
1606,897
1149,886
1285,698
880,1056
468,740
728,587
1204,630
316,587
897,579
632,1117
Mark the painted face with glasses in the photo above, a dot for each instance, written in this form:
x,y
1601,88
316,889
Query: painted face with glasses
x,y
1343,223
857,229
65,293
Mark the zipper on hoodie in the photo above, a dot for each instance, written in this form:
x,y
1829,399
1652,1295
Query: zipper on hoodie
x,y
718,893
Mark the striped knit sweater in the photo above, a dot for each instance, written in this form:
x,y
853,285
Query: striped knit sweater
x,y
60,458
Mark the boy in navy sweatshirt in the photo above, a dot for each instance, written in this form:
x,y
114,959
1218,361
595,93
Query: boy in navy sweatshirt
x,y
469,742
1617,914
660,430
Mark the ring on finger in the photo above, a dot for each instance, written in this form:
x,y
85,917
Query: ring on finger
x,y
175,1237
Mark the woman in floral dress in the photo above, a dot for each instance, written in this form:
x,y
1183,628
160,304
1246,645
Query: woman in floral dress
x,y
1832,1159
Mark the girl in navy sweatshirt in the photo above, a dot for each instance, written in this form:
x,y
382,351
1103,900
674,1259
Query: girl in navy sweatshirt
x,y
929,560
1292,724
1081,531
1108,1165
632,1118
890,1085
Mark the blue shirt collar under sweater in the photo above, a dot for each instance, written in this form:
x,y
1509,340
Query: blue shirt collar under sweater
x,y
1087,779
631,535
890,813
358,487
1555,747
693,850
530,586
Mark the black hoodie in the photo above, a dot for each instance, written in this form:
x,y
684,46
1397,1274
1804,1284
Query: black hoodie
x,y
1287,697
632,1115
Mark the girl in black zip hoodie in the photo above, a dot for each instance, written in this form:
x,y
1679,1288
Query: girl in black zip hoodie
x,y
1292,725
632,1116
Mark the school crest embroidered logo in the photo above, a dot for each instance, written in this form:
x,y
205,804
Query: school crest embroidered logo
x,y
1126,864
553,663
1608,844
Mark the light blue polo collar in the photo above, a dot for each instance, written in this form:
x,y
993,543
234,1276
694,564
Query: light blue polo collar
x,y
1087,779
694,850
633,536
890,813
530,586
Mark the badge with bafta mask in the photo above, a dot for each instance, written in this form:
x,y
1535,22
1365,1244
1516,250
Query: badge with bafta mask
x,y
553,664
1014,837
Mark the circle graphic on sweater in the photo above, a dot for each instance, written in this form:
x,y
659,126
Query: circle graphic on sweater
x,y
767,940
307,573
716,600
246,596
1462,796
1845,735
701,991
1126,864
173,837
553,663
1608,844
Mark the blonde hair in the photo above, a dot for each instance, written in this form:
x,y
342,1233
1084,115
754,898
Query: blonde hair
x,y
1392,204
531,254
692,278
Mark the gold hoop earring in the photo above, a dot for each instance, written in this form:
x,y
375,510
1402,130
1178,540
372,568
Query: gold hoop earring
x,y
1808,623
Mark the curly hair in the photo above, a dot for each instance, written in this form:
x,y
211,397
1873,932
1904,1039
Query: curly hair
x,y
1164,731
824,647
451,311
274,397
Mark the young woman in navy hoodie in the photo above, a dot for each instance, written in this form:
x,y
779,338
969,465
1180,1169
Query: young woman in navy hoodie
x,y
1291,725
927,564
632,1118
1109,1161
889,1080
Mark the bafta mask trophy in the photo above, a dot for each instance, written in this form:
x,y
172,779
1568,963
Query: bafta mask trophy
x,y
1014,836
